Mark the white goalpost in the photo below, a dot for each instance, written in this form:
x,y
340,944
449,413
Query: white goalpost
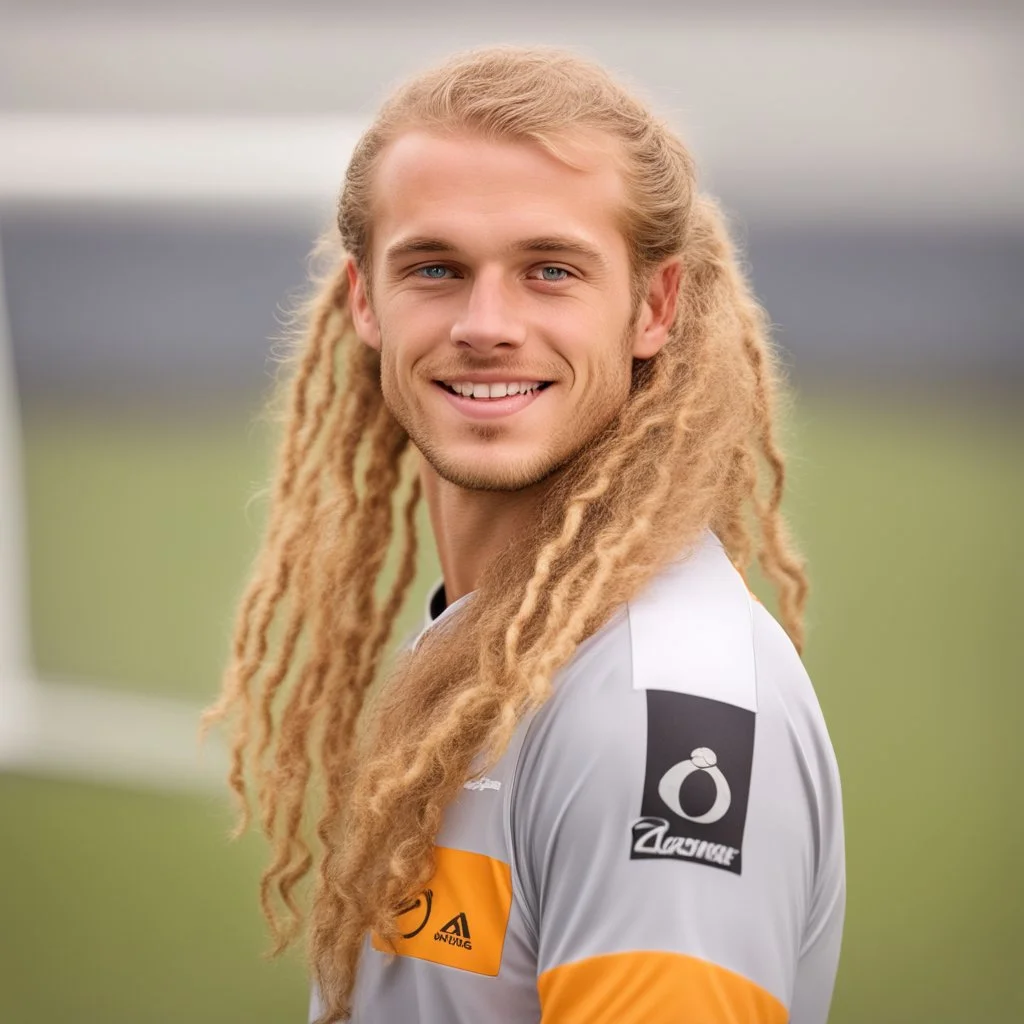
x,y
74,728
17,690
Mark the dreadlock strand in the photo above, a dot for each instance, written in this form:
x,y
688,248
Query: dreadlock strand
x,y
730,524
291,776
356,574
250,668
293,732
319,354
406,573
611,558
279,670
286,787
373,523
775,556
347,424
286,887
425,754
275,887
234,682
270,584
329,311
549,554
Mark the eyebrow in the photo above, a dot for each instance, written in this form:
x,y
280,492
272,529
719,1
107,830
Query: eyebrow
x,y
415,246
559,243
541,244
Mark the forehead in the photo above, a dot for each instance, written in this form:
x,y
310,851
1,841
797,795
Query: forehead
x,y
470,190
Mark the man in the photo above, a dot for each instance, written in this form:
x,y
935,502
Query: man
x,y
598,788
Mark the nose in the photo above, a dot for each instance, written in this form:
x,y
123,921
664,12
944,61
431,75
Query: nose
x,y
489,320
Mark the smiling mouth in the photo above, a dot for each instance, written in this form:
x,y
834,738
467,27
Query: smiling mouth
x,y
491,392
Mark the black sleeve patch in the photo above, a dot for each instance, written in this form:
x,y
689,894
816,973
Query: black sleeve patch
x,y
699,758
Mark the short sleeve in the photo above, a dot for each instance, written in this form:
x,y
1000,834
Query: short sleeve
x,y
667,846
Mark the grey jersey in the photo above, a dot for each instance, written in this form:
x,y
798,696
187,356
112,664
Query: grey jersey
x,y
661,842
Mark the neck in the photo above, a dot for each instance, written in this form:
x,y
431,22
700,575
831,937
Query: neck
x,y
472,527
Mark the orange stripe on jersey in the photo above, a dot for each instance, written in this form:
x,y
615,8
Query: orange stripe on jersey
x,y
460,918
653,988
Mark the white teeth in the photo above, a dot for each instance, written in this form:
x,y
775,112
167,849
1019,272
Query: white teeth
x,y
501,390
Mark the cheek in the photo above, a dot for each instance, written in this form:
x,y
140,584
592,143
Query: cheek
x,y
617,392
389,369
399,355
609,371
612,381
408,335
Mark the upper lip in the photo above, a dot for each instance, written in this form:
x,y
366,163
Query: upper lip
x,y
493,377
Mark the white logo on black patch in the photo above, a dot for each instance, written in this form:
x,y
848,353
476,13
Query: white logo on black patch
x,y
703,759
695,808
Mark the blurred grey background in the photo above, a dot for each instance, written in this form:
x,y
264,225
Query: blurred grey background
x,y
872,159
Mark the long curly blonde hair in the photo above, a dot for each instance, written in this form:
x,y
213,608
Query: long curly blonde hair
x,y
693,448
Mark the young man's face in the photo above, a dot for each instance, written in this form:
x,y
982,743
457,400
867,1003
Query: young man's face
x,y
500,300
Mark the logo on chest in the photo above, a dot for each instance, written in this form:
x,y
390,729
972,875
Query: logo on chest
x,y
455,932
435,925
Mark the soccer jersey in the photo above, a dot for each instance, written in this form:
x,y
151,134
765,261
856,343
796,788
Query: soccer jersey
x,y
661,842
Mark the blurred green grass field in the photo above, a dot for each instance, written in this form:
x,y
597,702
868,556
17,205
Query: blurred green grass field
x,y
120,907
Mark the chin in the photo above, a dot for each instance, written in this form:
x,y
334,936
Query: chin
x,y
491,471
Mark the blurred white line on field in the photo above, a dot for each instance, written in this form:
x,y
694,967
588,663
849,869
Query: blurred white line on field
x,y
75,730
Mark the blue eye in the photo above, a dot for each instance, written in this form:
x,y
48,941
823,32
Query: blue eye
x,y
435,272
553,273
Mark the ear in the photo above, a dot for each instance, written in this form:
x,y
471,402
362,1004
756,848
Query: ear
x,y
364,319
657,310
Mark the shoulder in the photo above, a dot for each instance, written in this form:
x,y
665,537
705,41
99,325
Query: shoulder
x,y
706,653
691,630
697,631
672,673
687,639
689,633
692,690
